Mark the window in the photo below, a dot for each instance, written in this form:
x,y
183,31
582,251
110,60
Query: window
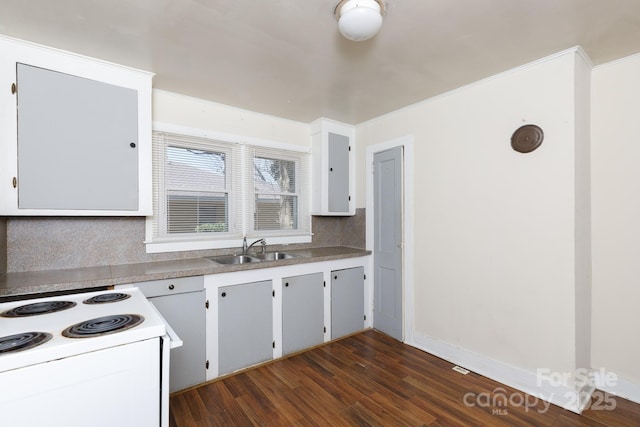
x,y
197,193
275,195
210,193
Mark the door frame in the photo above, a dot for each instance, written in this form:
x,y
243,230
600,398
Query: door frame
x,y
407,219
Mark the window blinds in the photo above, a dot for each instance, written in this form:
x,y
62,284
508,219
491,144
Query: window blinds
x,y
278,187
195,188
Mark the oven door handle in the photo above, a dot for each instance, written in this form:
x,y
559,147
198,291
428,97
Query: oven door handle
x,y
174,340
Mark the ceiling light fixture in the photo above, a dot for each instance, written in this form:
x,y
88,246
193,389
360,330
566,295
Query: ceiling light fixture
x,y
359,20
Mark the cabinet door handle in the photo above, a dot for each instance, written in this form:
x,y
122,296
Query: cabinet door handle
x,y
171,287
286,284
224,294
132,145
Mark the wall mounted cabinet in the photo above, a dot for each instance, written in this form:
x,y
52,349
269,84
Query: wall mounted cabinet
x,y
333,176
76,136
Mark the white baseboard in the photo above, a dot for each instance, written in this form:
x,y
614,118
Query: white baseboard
x,y
528,382
617,386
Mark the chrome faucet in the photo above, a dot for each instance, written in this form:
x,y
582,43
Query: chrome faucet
x,y
245,248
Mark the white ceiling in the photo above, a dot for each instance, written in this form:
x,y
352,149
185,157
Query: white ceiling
x,y
286,57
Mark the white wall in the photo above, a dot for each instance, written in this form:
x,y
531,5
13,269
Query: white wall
x,y
616,218
503,239
583,264
495,230
197,113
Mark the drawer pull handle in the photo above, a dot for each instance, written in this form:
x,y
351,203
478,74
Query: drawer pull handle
x,y
171,287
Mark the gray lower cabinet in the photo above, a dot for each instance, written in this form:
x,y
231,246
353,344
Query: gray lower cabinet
x,y
182,302
302,312
347,301
245,325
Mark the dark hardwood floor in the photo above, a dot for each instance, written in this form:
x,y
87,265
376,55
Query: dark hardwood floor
x,y
369,379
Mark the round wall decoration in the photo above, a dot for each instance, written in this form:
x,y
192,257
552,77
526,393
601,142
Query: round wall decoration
x,y
527,138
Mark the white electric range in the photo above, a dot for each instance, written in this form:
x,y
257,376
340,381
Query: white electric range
x,y
98,358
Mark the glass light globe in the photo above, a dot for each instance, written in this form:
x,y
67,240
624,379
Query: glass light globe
x,y
360,19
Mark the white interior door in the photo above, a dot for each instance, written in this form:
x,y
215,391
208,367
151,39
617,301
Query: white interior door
x,y
387,256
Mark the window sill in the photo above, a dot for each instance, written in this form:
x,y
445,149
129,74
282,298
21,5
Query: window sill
x,y
196,245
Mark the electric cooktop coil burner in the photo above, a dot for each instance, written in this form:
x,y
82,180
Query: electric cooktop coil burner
x,y
37,308
103,325
23,341
106,298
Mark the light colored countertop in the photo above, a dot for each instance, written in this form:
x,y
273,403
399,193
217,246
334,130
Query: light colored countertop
x,y
30,283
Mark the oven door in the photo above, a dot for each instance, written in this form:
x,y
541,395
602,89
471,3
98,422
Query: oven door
x,y
116,386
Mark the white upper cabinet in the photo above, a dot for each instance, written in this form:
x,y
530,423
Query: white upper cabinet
x,y
75,135
333,177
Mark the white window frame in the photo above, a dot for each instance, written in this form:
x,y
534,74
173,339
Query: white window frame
x,y
299,193
232,193
155,244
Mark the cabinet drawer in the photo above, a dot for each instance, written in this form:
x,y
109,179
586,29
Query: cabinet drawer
x,y
178,285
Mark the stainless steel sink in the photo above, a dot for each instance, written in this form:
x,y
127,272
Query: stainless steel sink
x,y
234,259
243,259
273,256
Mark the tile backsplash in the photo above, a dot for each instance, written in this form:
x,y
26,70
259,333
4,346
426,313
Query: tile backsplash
x,y
51,243
3,245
